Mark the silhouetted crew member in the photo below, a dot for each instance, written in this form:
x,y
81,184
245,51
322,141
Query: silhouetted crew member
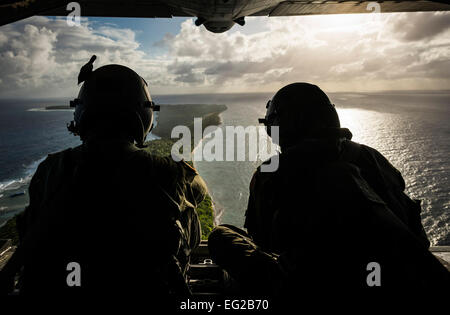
x,y
125,216
332,207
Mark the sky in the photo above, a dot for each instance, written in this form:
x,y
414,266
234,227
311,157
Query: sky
x,y
40,57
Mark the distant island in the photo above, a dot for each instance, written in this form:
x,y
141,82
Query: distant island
x,y
184,114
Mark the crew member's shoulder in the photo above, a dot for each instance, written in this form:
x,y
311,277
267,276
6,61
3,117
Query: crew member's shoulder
x,y
377,161
374,153
354,151
60,154
166,163
58,157
367,148
52,162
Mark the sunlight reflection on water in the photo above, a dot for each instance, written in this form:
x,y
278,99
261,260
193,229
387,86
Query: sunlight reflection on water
x,y
417,146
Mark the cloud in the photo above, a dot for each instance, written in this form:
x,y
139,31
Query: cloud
x,y
190,78
41,56
165,41
337,52
184,73
421,26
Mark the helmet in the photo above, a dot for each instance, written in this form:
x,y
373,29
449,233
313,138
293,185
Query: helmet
x,y
114,97
300,110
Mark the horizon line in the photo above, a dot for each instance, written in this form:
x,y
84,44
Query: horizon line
x,y
252,92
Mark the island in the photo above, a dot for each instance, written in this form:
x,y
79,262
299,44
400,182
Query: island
x,y
170,116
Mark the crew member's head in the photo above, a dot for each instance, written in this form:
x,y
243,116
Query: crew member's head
x,y
301,111
114,101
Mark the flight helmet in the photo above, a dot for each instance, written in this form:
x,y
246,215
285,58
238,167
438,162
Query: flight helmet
x,y
115,98
300,110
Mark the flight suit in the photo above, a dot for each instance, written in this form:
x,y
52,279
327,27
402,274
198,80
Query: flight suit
x,y
125,216
385,180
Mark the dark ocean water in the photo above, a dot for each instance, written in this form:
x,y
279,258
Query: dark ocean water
x,y
410,129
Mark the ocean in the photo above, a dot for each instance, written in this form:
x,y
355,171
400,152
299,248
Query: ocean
x,y
410,128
